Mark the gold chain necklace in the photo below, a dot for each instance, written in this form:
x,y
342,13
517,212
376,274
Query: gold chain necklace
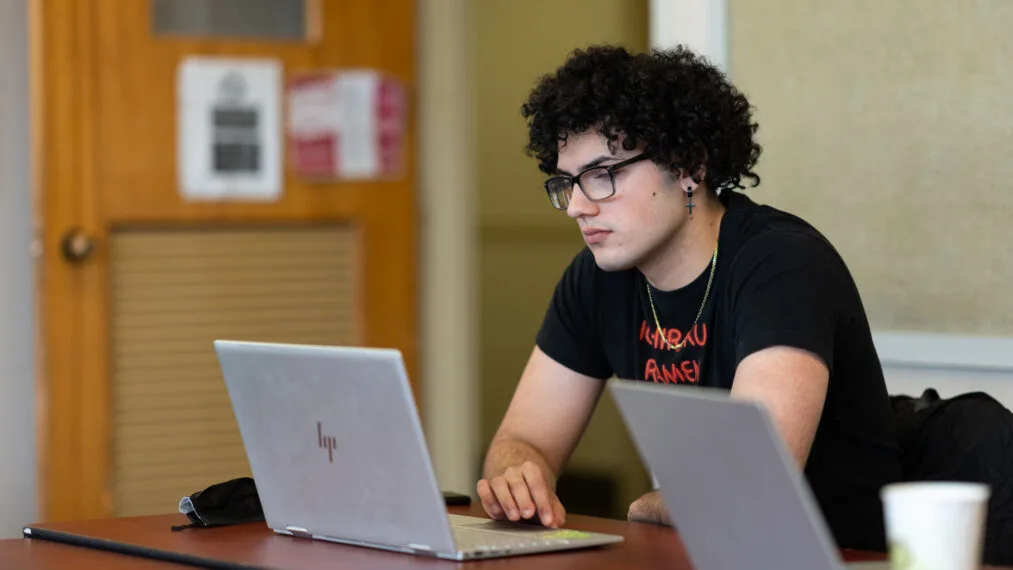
x,y
657,323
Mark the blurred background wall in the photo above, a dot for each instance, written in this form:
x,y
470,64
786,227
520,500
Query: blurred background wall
x,y
888,125
449,239
17,316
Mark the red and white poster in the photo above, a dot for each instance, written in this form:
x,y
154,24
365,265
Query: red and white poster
x,y
346,125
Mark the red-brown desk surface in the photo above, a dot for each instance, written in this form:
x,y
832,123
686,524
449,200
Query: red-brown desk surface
x,y
646,547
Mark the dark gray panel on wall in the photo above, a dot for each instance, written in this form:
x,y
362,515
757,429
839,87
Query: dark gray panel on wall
x,y
254,19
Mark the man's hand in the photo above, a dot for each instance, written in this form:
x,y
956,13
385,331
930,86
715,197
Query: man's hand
x,y
650,508
519,493
547,415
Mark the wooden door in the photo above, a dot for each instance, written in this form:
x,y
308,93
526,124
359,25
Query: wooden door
x,y
137,280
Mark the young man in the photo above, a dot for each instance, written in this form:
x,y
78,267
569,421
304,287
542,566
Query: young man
x,y
686,280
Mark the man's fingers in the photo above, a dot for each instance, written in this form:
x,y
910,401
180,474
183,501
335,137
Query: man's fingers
x,y
519,488
540,493
489,501
559,518
635,512
649,508
506,500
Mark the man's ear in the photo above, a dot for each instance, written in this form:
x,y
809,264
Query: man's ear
x,y
700,174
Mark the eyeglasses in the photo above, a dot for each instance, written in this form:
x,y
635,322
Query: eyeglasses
x,y
597,183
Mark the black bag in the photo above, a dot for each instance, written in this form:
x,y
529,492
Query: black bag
x,y
968,437
231,502
236,502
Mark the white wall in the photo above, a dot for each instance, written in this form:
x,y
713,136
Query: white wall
x,y
17,327
701,25
952,364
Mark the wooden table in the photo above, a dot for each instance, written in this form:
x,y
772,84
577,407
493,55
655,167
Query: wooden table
x,y
39,555
646,547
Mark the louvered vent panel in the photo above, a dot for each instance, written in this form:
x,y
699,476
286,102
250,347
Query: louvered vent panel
x,y
173,293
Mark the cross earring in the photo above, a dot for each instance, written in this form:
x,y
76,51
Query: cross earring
x,y
689,200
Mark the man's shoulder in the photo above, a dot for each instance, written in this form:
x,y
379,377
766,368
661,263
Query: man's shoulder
x,y
752,219
765,231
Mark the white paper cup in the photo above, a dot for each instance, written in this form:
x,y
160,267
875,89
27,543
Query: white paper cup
x,y
935,525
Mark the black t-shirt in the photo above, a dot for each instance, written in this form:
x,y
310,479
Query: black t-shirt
x,y
777,281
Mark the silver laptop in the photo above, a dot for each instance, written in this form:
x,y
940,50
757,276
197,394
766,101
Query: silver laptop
x,y
337,452
734,493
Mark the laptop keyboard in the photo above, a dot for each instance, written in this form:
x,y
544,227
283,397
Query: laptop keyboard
x,y
477,534
471,539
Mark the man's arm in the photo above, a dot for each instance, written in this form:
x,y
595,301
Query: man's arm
x,y
792,384
541,428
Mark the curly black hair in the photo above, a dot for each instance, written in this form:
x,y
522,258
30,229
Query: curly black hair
x,y
682,108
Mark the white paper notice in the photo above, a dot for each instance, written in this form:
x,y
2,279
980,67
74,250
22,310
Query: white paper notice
x,y
229,129
356,93
346,125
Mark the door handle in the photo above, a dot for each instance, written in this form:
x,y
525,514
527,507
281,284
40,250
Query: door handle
x,y
76,245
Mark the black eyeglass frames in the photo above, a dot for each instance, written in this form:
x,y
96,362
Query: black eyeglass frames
x,y
596,182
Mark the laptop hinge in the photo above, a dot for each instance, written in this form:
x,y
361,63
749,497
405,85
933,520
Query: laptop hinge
x,y
299,531
425,547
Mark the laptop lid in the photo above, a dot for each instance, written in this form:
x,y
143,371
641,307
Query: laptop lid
x,y
732,489
335,444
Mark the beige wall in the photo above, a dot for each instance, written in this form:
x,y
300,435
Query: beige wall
x,y
525,245
888,125
448,240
